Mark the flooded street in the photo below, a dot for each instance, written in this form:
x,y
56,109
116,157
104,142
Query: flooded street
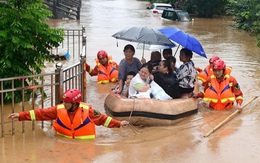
x,y
237,141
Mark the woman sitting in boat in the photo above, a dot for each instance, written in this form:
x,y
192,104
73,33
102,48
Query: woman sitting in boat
x,y
140,84
155,59
167,79
186,73
129,63
106,69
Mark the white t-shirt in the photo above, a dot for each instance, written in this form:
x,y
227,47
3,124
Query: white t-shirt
x,y
136,80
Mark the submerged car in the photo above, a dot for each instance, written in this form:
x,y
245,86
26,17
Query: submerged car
x,y
157,8
176,15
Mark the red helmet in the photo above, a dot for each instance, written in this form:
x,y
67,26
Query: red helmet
x,y
219,65
213,58
72,96
101,54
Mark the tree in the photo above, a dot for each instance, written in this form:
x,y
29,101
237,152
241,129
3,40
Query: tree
x,y
25,38
206,8
246,15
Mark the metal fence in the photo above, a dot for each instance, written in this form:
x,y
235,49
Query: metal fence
x,y
45,89
74,42
64,9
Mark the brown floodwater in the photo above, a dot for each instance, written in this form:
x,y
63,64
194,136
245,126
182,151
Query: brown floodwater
x,y
237,141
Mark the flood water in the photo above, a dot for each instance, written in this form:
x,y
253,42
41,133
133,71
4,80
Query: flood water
x,y
237,141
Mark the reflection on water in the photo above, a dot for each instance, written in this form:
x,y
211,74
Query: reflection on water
x,y
236,141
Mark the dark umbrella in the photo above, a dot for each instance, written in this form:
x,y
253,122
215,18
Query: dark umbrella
x,y
143,35
184,39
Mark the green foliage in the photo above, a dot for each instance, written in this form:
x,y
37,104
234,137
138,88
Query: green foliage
x,y
247,15
25,38
206,8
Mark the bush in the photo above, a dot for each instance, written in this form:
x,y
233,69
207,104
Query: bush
x,y
25,38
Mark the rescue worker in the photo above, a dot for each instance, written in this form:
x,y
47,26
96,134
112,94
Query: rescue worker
x,y
207,72
106,69
73,119
221,90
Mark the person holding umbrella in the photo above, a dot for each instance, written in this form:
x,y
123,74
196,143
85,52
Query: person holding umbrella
x,y
73,118
221,90
186,73
129,63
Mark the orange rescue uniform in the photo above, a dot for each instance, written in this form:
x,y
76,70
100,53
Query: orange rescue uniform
x,y
208,72
107,73
79,124
221,93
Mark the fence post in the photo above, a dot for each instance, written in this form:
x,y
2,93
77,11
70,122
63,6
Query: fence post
x,y
83,65
54,10
78,13
84,40
58,83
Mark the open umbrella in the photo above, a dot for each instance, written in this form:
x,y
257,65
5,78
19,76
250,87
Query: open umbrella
x,y
143,35
184,39
154,47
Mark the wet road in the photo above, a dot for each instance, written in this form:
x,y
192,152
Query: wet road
x,y
237,141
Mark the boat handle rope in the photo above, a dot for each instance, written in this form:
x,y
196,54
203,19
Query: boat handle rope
x,y
132,110
130,124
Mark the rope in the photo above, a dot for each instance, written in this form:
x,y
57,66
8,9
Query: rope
x,y
130,124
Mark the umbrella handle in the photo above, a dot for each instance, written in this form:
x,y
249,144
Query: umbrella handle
x,y
143,50
176,50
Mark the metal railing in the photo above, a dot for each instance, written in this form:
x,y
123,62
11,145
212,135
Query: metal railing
x,y
64,9
74,42
45,89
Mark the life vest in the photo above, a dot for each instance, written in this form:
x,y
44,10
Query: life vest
x,y
203,75
81,128
220,95
208,72
107,74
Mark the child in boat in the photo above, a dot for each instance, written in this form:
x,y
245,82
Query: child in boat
x,y
129,63
106,69
186,73
129,77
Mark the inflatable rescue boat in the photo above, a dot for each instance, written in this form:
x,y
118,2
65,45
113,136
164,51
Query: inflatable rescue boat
x,y
149,112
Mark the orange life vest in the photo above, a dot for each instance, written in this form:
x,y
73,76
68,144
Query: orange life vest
x,y
208,72
81,128
220,95
203,75
107,74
